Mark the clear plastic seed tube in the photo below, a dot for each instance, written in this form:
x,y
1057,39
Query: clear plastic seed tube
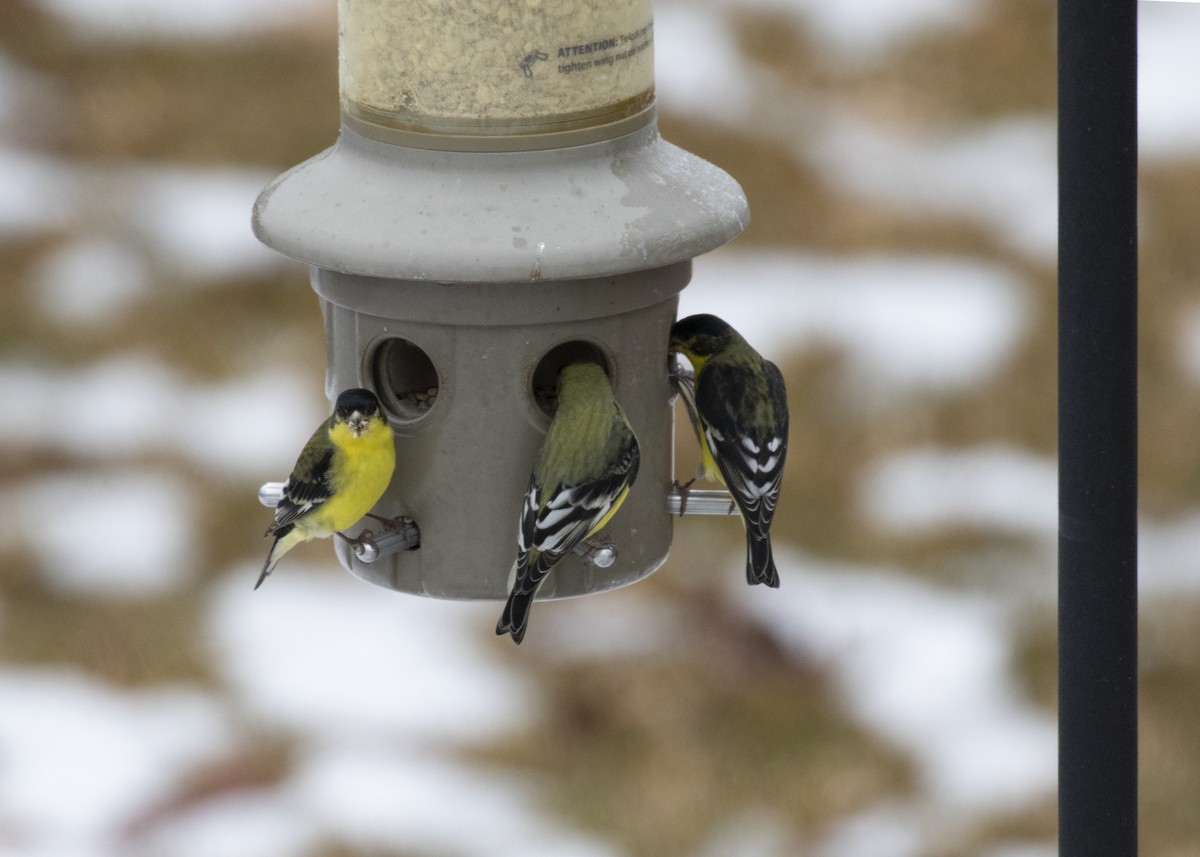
x,y
495,67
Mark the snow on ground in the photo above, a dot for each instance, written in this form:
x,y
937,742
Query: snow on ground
x,y
1002,174
1168,68
190,220
418,803
90,281
889,829
38,193
386,800
250,823
913,321
749,833
925,667
698,68
81,760
1169,556
380,685
859,29
1005,489
999,488
624,623
132,404
320,652
105,534
196,220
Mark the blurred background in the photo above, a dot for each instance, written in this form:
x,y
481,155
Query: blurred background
x,y
894,698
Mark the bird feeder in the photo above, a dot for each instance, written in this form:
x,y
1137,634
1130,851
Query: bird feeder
x,y
498,203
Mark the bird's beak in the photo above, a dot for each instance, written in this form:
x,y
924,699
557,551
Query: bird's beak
x,y
357,423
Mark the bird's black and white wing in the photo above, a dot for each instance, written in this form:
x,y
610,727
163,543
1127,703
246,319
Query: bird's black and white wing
x,y
553,521
308,486
748,439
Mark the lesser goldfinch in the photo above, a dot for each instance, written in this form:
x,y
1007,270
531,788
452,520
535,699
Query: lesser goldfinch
x,y
742,423
581,475
342,472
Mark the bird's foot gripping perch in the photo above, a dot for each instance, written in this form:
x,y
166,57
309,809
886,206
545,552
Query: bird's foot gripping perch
x,y
683,499
682,489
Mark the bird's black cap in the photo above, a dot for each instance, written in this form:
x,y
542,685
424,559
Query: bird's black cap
x,y
355,399
702,333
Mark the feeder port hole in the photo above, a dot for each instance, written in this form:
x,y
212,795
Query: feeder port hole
x,y
406,380
544,381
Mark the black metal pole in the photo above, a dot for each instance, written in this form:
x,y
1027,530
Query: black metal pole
x,y
1097,573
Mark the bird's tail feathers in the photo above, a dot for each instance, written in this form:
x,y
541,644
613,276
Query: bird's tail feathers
x,y
268,566
523,585
760,561
281,545
515,618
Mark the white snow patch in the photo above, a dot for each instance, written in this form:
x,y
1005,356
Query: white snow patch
x,y
39,193
614,624
884,830
1169,556
903,320
238,824
390,799
924,667
331,656
860,29
107,534
870,26
253,425
991,487
1168,68
81,760
750,833
1003,174
698,67
132,404
91,281
195,221
199,219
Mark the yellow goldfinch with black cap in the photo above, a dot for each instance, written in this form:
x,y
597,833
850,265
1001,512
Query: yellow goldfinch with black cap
x,y
342,472
741,409
581,476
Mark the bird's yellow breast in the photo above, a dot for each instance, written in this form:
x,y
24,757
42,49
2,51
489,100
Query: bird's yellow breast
x,y
360,472
708,464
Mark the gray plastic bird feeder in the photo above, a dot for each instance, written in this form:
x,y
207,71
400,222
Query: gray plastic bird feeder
x,y
499,202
